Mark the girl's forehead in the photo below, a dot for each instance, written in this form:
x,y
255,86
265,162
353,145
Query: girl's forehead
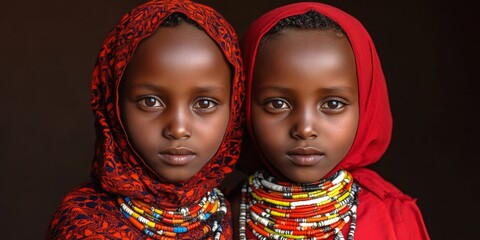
x,y
307,61
175,55
305,49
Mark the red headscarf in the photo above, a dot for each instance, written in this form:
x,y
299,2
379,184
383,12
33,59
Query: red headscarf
x,y
116,166
117,170
374,127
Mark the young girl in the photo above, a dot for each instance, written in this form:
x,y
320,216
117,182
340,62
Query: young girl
x,y
167,92
318,113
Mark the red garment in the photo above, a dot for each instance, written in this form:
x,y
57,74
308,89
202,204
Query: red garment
x,y
91,210
384,212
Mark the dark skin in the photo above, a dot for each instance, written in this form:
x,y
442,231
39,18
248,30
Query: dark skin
x,y
309,92
175,101
305,87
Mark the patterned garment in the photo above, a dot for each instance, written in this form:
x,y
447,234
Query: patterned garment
x,y
384,211
91,210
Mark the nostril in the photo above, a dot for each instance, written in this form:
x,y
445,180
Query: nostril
x,y
303,133
177,132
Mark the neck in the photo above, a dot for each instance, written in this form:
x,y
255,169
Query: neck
x,y
278,210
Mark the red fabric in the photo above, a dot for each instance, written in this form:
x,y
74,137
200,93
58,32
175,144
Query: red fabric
x,y
90,211
384,212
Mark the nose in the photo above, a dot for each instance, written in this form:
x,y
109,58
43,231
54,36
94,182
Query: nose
x,y
305,126
176,126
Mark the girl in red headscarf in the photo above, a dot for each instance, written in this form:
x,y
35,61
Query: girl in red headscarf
x,y
167,94
318,113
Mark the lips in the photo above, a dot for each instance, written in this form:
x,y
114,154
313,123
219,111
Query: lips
x,y
177,156
305,156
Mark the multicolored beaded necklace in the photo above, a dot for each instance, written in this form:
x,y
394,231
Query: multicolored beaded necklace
x,y
171,223
277,210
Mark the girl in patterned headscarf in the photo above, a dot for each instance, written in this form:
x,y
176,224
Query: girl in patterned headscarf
x,y
318,113
167,94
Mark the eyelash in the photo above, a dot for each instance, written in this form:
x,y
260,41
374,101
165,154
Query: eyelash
x,y
158,103
340,105
209,108
269,105
144,105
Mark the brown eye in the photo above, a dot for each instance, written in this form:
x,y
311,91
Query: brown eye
x,y
333,105
278,103
205,105
150,102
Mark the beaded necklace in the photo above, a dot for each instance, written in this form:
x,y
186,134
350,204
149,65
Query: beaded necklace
x,y
277,210
166,224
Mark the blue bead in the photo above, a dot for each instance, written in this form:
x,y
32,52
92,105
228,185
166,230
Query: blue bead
x,y
180,229
148,232
125,213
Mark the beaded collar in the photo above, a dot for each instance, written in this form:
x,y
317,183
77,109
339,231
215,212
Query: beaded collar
x,y
277,210
171,223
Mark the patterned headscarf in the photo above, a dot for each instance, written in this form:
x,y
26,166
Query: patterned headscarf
x,y
375,121
116,166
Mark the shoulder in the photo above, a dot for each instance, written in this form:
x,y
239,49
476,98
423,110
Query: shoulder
x,y
88,212
88,197
384,207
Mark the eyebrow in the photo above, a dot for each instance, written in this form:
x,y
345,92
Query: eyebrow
x,y
338,90
211,89
328,90
201,89
146,86
273,88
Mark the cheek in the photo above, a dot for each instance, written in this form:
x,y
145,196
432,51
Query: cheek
x,y
213,130
345,136
129,122
141,132
269,134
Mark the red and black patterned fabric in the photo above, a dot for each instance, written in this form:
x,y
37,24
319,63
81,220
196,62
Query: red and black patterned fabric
x,y
90,211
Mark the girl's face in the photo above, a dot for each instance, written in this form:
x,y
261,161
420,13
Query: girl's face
x,y
305,102
175,101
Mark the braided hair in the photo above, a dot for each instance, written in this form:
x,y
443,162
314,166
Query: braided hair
x,y
310,20
176,18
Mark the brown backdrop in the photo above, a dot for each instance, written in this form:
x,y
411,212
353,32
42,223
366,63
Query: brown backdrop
x,y
47,52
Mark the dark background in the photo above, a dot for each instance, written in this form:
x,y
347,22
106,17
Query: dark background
x,y
427,49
